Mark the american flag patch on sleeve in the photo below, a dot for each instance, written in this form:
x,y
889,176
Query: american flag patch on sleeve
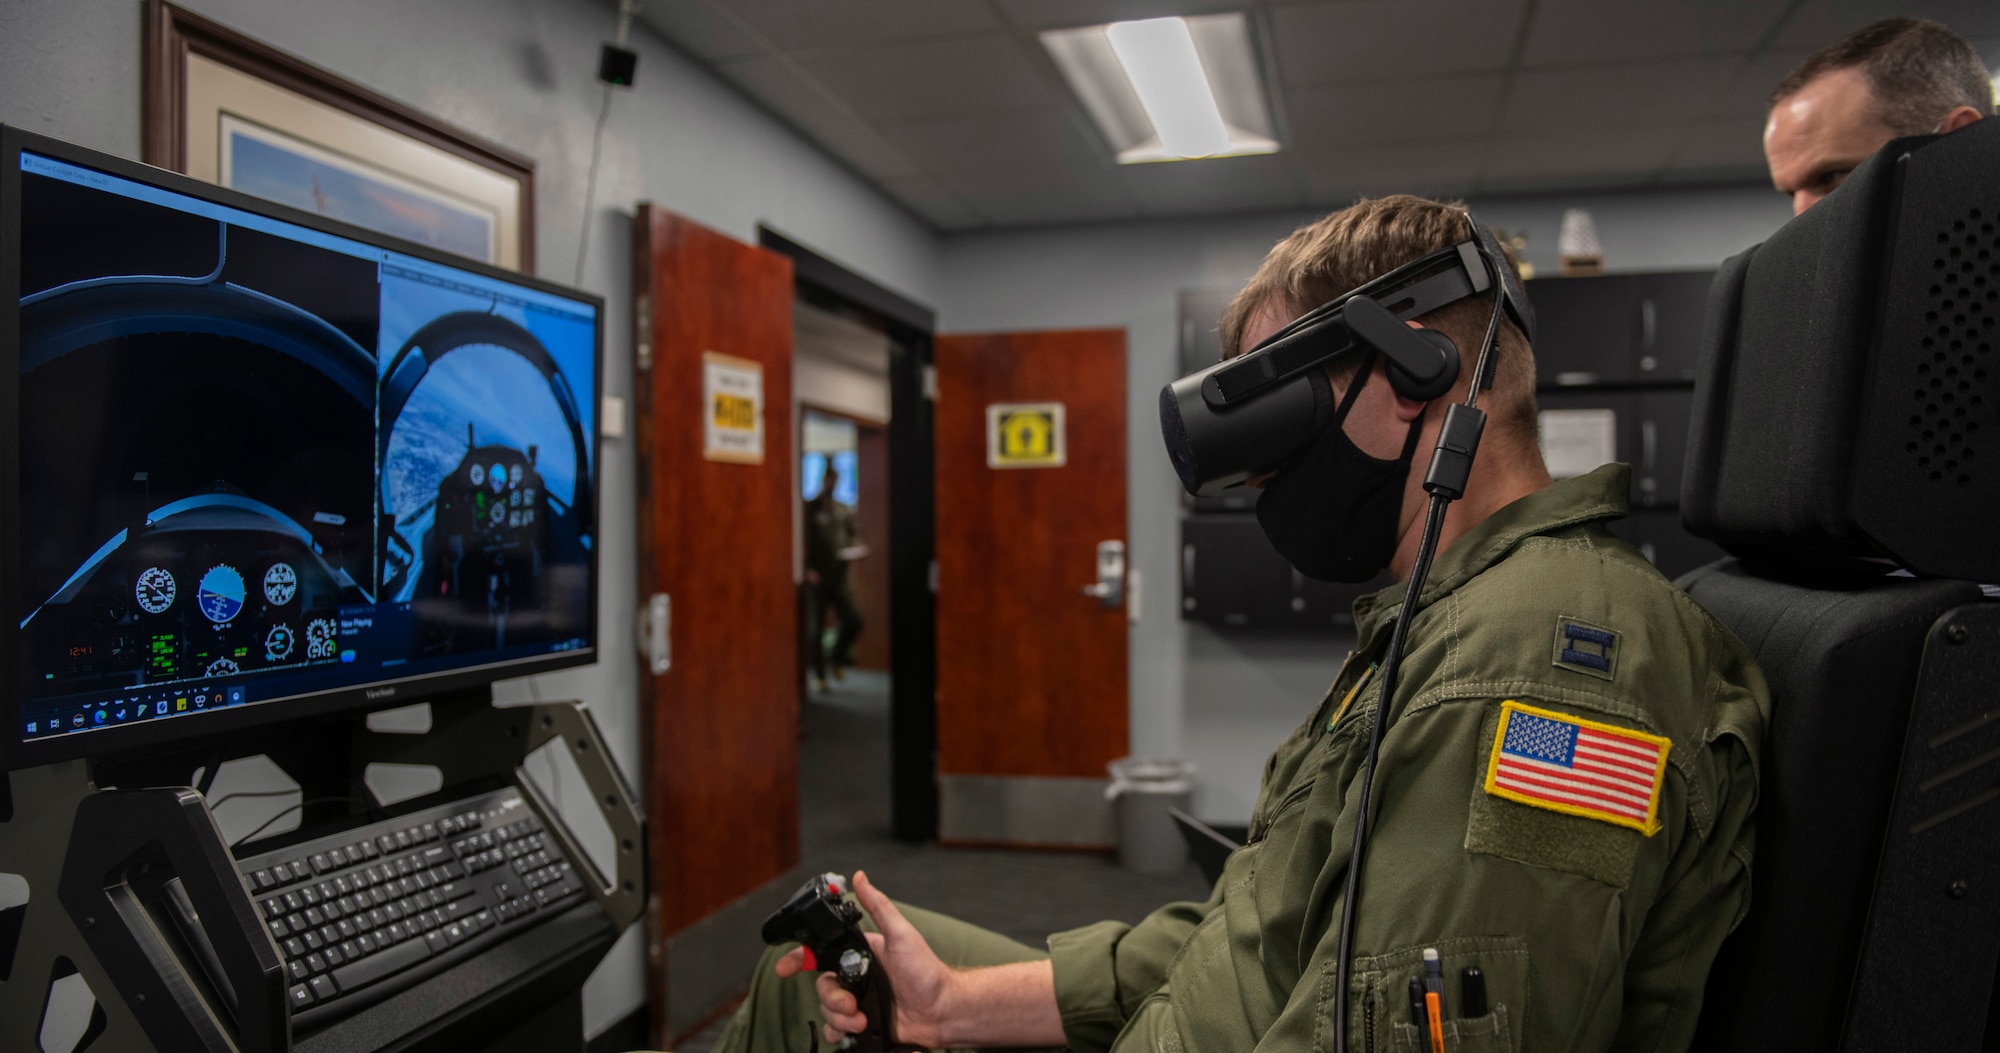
x,y
1578,767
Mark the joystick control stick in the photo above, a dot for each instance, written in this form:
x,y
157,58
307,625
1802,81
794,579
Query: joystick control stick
x,y
828,927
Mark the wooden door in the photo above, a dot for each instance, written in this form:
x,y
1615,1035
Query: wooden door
x,y
721,734
1032,680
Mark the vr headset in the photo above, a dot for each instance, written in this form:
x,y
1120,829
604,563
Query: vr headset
x,y
1247,415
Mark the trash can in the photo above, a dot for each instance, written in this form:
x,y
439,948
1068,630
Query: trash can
x,y
1142,790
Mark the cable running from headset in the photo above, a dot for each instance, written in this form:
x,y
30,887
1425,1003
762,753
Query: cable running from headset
x,y
1451,465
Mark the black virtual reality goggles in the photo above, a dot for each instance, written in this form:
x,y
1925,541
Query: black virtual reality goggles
x,y
1247,415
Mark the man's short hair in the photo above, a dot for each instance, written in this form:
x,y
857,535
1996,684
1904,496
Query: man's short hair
x,y
1917,70
1348,248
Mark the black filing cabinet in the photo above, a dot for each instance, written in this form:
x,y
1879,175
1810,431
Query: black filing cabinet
x,y
1659,450
1232,579
1627,344
1673,307
1619,328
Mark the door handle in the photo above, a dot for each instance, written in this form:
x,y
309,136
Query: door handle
x,y
1109,588
655,632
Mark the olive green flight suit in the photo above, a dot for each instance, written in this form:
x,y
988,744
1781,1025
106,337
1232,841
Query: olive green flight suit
x,y
1592,935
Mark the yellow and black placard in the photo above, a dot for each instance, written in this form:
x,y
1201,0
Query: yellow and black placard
x,y
1025,435
734,412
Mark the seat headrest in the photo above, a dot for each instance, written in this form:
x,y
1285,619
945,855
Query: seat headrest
x,y
1845,404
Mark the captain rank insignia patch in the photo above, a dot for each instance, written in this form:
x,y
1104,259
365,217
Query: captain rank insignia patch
x,y
1578,767
1585,648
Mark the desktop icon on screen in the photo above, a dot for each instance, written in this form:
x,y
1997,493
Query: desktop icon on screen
x,y
160,708
31,727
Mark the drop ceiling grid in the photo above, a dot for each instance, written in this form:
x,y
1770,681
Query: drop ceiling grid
x,y
953,108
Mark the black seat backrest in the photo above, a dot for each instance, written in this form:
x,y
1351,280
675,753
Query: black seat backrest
x,y
1845,448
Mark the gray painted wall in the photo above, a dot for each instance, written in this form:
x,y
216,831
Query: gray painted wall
x,y
521,73
1224,702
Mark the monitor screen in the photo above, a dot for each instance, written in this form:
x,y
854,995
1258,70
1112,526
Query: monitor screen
x,y
271,465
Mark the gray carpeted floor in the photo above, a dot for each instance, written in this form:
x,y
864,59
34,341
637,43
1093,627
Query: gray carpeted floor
x,y
844,827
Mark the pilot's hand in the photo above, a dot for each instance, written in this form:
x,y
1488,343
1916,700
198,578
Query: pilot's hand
x,y
921,981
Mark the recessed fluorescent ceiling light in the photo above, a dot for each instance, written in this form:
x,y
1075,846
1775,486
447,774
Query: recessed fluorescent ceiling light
x,y
1169,89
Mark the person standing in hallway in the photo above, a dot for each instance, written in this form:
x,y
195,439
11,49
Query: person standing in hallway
x,y
1897,77
833,540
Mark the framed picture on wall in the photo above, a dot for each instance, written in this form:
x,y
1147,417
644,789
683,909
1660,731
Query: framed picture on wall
x,y
235,111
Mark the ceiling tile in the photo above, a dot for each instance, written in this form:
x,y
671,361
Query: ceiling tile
x,y
1818,23
1722,145
1022,196
952,108
1024,139
824,119
1345,115
700,29
1434,169
1747,92
1614,96
1573,32
958,76
1223,184
1393,39
934,203
1580,156
1063,14
789,25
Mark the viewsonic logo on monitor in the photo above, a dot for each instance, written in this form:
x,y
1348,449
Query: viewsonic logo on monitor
x,y
381,692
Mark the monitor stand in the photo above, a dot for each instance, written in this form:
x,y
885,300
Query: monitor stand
x,y
100,841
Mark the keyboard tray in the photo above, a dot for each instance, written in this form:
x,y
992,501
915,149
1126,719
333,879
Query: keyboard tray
x,y
367,912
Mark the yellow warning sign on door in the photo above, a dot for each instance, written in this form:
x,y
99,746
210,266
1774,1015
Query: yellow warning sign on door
x,y
1024,435
733,391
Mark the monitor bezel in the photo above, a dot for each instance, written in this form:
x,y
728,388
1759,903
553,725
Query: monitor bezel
x,y
17,752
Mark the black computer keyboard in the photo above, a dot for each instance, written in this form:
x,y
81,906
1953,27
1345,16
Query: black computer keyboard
x,y
361,914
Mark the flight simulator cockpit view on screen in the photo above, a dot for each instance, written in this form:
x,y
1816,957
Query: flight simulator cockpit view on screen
x,y
259,460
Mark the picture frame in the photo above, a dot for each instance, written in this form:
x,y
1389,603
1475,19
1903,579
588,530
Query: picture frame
x,y
223,107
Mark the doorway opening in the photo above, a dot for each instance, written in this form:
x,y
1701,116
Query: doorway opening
x,y
844,542
862,366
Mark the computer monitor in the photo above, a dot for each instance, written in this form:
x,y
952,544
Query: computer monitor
x,y
262,465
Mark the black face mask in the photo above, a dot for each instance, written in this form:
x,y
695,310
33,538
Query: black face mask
x,y
1332,512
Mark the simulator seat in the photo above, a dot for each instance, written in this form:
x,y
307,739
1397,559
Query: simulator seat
x,y
1845,448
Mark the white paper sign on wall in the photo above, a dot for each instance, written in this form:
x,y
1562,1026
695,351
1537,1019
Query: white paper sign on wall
x,y
732,398
1577,441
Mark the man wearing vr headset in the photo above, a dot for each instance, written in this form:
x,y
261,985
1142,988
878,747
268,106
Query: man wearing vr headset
x,y
1571,903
